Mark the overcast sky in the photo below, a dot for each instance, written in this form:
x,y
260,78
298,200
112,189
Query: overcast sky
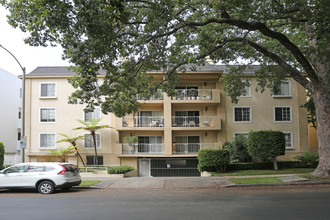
x,y
29,57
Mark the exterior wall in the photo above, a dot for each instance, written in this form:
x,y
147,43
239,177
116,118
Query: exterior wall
x,y
10,125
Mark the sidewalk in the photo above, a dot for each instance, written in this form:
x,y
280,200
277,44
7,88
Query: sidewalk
x,y
188,182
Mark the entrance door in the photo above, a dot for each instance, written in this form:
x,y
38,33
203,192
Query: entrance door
x,y
144,168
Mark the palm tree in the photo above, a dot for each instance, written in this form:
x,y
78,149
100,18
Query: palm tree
x,y
73,142
92,126
62,153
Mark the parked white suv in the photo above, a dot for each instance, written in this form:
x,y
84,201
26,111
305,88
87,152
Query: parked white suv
x,y
46,177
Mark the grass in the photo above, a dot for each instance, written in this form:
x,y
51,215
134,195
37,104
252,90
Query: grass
x,y
255,180
314,178
265,172
89,182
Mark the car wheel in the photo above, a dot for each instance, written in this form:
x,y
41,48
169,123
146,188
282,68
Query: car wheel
x,y
46,187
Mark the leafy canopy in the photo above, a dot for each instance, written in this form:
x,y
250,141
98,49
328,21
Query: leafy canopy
x,y
165,35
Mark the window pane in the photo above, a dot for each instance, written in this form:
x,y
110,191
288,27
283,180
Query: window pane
x,y
47,90
88,142
278,114
288,140
96,114
242,114
47,140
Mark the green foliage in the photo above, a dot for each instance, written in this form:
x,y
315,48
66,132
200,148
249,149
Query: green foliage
x,y
213,159
310,160
238,149
266,144
2,154
267,165
62,153
120,169
132,139
311,113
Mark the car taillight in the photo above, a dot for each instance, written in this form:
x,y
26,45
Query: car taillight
x,y
62,171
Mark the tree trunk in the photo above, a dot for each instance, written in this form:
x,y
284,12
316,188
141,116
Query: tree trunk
x,y
94,141
275,163
79,155
322,108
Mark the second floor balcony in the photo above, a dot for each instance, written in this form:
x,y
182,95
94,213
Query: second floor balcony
x,y
143,121
212,122
142,148
191,148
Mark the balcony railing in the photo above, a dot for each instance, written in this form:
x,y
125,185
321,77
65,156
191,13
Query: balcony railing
x,y
191,148
156,96
195,121
143,149
194,94
143,121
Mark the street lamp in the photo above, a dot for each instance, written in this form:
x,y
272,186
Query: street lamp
x,y
23,103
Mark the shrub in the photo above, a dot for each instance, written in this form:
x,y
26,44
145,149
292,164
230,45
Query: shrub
x,y
120,169
2,154
213,159
266,145
238,149
310,160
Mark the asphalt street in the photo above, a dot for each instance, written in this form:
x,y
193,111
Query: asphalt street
x,y
285,202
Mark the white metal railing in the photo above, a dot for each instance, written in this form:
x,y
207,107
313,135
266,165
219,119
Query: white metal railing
x,y
95,168
191,148
143,121
156,96
143,148
193,94
194,121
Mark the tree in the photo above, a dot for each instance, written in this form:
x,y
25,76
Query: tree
x,y
311,114
73,142
62,153
266,145
2,154
287,38
92,126
238,149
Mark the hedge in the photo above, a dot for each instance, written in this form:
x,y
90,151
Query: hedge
x,y
268,165
120,169
213,159
2,154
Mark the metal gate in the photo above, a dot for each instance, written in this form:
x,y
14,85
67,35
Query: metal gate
x,y
174,167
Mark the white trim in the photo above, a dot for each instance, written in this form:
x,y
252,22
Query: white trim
x,y
284,96
92,148
39,139
84,119
47,97
249,95
242,107
274,114
292,146
46,122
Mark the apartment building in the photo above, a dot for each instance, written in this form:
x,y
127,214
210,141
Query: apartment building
x,y
169,130
10,117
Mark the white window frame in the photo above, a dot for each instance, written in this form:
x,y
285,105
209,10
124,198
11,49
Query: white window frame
x,y
250,121
282,115
249,94
242,133
292,147
48,97
84,113
97,147
283,96
53,147
47,121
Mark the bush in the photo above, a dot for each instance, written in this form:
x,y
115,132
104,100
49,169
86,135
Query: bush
x,y
310,160
2,154
213,159
266,145
120,169
238,149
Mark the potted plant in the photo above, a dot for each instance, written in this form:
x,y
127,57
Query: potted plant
x,y
132,140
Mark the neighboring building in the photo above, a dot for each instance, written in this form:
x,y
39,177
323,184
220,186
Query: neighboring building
x,y
170,130
10,117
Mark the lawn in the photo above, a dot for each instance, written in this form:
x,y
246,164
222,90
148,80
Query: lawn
x,y
89,182
265,172
255,180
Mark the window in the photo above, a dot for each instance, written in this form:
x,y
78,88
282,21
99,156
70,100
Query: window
x,y
244,134
247,91
19,136
16,169
88,141
288,140
242,114
96,114
47,90
47,140
47,115
35,169
91,160
283,89
282,114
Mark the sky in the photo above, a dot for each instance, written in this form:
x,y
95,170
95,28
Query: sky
x,y
29,57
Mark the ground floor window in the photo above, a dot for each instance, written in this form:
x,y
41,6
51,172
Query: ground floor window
x,y
91,160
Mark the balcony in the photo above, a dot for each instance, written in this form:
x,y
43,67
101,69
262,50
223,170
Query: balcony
x,y
143,122
191,148
157,96
197,95
205,122
143,149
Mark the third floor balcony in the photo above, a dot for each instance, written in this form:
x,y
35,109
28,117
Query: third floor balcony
x,y
197,95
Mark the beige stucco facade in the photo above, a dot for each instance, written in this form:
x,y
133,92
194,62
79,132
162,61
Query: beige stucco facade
x,y
203,114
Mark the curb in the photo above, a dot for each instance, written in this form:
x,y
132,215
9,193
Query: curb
x,y
279,184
